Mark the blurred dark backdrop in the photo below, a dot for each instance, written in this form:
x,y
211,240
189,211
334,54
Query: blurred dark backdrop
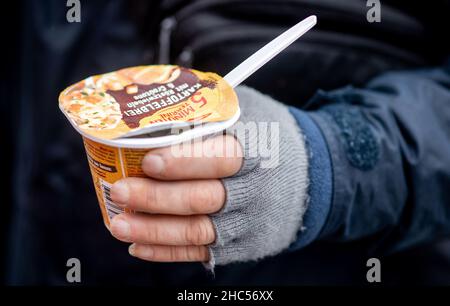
x,y
49,209
9,86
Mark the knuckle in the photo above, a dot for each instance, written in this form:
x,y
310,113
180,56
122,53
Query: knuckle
x,y
215,196
192,253
152,235
204,197
173,253
233,157
232,146
199,231
193,198
151,196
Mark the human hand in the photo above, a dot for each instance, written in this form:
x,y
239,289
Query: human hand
x,y
173,204
226,205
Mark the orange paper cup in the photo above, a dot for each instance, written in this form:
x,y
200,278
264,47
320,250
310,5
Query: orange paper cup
x,y
112,160
117,114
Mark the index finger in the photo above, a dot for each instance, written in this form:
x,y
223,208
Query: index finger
x,y
188,197
216,157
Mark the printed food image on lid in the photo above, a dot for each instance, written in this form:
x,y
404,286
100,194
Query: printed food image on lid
x,y
136,100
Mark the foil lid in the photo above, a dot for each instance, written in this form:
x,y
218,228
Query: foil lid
x,y
138,100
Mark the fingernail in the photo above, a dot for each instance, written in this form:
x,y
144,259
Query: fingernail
x,y
148,252
132,249
152,164
120,228
120,193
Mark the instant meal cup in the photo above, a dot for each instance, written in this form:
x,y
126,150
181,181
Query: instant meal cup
x,y
118,115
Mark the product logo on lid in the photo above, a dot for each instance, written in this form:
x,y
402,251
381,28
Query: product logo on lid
x,y
137,98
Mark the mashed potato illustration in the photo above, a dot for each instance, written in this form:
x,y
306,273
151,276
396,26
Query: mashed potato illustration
x,y
94,110
91,107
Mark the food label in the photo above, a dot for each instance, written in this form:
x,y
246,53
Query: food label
x,y
142,99
108,165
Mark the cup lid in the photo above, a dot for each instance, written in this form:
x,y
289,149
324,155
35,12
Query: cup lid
x,y
145,99
183,133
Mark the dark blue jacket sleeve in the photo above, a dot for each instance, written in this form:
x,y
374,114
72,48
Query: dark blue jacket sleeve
x,y
388,146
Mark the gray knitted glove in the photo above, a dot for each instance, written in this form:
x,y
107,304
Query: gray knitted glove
x,y
267,199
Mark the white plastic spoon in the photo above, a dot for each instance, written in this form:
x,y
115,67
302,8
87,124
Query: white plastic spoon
x,y
266,53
